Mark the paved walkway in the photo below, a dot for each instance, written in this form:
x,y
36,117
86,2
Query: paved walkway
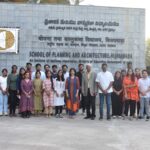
x,y
40,133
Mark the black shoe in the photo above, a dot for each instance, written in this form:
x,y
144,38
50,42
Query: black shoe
x,y
87,117
100,118
28,114
22,115
92,118
108,118
147,118
140,117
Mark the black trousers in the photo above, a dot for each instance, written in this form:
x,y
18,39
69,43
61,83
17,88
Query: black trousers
x,y
116,104
90,103
82,101
138,107
12,101
132,105
58,109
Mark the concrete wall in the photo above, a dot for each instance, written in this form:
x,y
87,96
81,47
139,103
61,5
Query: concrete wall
x,y
44,29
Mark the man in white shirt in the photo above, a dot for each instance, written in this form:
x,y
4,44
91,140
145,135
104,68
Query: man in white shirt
x,y
38,68
144,89
3,93
54,72
46,67
65,72
104,81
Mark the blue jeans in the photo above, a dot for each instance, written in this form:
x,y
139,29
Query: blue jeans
x,y
108,103
3,103
144,104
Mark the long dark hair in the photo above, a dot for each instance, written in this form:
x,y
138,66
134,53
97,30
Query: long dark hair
x,y
120,78
21,76
132,76
20,71
71,70
58,77
51,78
13,68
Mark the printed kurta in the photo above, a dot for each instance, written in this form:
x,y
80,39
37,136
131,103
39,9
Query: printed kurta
x,y
48,99
37,85
26,103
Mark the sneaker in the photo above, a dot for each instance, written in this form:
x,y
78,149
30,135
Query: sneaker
x,y
119,117
114,117
6,114
60,116
147,118
57,115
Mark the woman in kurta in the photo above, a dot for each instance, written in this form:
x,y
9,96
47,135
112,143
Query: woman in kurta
x,y
72,89
37,87
117,95
130,85
19,79
48,95
26,101
59,86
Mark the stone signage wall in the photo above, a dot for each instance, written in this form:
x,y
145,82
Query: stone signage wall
x,y
61,34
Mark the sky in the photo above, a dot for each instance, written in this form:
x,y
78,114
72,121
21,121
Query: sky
x,y
125,3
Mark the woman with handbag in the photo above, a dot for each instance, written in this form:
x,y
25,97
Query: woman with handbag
x,y
72,89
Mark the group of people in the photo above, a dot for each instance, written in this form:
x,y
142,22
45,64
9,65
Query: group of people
x,y
39,92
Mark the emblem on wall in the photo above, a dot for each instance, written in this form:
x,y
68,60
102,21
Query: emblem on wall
x,y
9,40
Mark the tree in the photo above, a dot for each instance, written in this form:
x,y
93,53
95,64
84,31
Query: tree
x,y
71,2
